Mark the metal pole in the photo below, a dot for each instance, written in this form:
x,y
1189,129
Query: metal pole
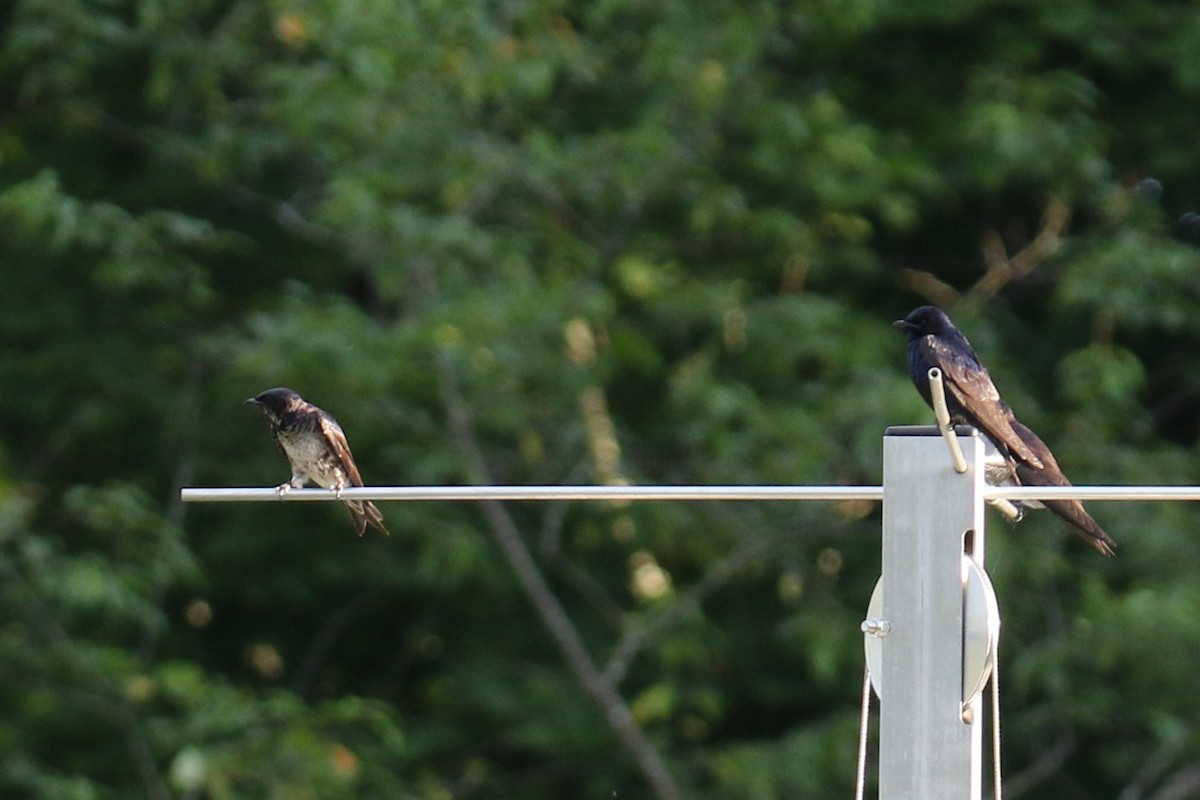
x,y
931,516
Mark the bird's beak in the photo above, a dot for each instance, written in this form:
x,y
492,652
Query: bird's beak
x,y
252,401
903,325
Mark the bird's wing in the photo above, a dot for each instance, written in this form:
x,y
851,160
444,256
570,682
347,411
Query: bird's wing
x,y
1070,511
341,448
1050,474
968,381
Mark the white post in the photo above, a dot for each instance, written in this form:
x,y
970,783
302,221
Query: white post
x,y
931,516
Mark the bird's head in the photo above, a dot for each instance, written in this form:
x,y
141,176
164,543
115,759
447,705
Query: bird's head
x,y
276,402
925,321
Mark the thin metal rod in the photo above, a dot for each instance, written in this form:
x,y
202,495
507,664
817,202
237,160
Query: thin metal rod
x,y
937,393
632,493
610,493
1092,492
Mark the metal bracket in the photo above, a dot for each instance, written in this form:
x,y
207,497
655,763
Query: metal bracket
x,y
997,472
937,394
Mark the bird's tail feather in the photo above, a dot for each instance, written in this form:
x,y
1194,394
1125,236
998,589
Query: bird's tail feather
x,y
363,513
1071,512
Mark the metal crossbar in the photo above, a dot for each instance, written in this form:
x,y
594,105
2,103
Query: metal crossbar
x,y
690,493
1137,493
610,493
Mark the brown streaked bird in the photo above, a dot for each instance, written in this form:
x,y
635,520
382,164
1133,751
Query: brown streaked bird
x,y
972,399
316,448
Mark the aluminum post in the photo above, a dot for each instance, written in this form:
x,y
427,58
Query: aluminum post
x,y
931,516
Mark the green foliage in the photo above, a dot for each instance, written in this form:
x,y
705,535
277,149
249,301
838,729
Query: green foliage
x,y
566,243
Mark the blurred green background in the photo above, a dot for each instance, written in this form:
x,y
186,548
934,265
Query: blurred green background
x,y
550,242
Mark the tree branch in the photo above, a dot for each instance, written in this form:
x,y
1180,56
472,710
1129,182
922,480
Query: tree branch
x,y
1183,784
504,530
1154,767
1039,771
550,548
929,286
327,635
686,603
1002,269
185,436
40,617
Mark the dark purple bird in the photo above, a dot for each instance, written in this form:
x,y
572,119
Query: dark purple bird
x,y
315,446
973,399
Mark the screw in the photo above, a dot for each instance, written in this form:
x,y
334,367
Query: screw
x,y
876,627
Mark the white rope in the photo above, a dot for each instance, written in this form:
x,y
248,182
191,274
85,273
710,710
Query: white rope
x,y
860,782
996,787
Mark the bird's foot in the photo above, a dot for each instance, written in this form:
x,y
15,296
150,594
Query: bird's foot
x,y
1012,510
283,489
337,491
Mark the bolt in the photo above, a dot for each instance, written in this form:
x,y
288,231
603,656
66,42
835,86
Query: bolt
x,y
876,627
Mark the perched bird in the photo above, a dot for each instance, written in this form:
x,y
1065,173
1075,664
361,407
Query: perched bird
x,y
315,446
973,399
